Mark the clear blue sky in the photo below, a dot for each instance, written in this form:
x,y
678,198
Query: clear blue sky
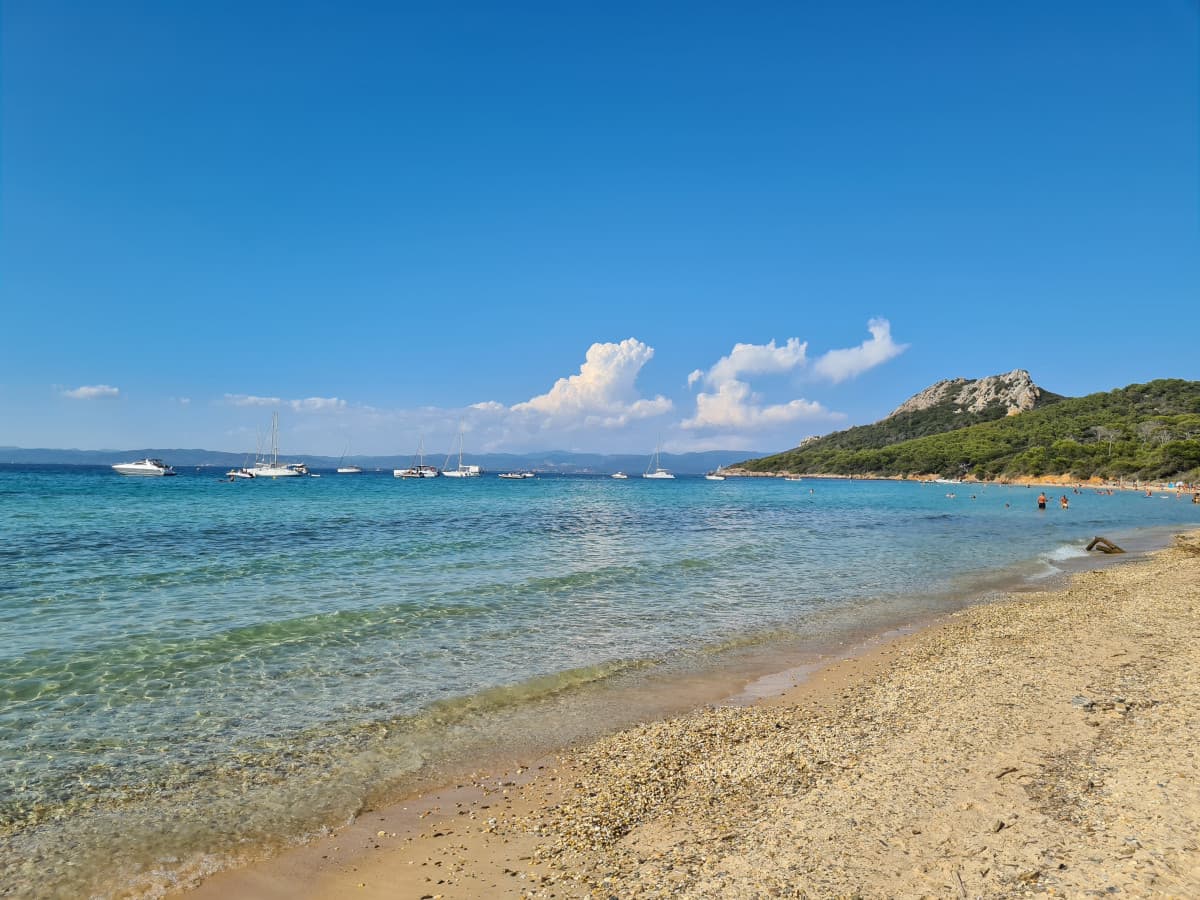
x,y
384,218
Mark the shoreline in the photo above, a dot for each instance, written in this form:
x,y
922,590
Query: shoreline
x,y
1092,483
539,829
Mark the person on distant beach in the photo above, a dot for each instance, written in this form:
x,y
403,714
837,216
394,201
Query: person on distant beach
x,y
1063,501
1042,500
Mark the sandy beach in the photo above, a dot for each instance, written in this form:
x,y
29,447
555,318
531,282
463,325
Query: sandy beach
x,y
1045,743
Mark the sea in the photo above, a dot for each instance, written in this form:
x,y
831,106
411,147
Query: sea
x,y
195,672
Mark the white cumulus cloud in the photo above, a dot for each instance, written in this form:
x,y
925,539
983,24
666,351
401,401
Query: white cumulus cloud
x,y
731,404
602,394
839,365
92,392
757,359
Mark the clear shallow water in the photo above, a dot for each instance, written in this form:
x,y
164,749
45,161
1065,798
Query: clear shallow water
x,y
191,669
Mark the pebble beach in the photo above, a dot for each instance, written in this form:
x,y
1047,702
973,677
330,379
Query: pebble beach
x,y
1041,744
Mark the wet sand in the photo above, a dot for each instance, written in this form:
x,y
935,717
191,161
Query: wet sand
x,y
1048,742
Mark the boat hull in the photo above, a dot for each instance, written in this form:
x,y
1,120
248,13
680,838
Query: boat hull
x,y
274,472
416,472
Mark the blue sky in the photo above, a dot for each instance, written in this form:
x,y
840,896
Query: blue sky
x,y
581,225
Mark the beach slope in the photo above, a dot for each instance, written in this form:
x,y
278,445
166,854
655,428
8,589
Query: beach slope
x,y
1045,743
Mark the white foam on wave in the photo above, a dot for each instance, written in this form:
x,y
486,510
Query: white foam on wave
x,y
1059,554
1064,552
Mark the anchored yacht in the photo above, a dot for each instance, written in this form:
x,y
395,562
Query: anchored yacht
x,y
146,466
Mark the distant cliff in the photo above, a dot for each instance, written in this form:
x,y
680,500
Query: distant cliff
x,y
1013,392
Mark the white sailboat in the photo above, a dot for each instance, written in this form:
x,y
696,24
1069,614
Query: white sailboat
x,y
264,468
418,469
462,471
715,475
655,469
343,469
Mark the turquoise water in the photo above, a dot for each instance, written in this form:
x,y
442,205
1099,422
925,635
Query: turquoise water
x,y
191,670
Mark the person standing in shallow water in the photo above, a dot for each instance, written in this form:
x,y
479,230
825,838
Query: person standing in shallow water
x,y
1063,501
1042,500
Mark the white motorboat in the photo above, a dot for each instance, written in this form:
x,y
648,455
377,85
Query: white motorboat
x,y
264,468
620,475
517,475
147,466
655,469
462,471
714,476
418,469
240,473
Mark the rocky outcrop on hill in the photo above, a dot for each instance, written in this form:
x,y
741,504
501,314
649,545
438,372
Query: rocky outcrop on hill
x,y
1014,390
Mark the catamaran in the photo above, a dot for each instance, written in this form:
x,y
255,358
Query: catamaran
x,y
272,469
418,469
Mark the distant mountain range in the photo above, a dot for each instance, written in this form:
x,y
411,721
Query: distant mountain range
x,y
561,461
1005,426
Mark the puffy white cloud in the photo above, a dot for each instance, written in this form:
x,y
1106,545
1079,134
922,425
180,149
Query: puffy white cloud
x,y
757,359
838,365
308,404
731,403
92,392
602,394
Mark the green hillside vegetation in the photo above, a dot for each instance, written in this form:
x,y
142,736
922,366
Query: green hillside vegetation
x,y
1144,431
910,426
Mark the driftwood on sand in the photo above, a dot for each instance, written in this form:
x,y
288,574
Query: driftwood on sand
x,y
1104,545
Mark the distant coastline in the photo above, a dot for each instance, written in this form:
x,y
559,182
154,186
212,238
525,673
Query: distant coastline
x,y
561,461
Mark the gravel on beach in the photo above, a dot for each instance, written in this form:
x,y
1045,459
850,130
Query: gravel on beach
x,y
1044,744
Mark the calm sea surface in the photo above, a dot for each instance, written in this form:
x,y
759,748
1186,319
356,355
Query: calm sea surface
x,y
193,670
